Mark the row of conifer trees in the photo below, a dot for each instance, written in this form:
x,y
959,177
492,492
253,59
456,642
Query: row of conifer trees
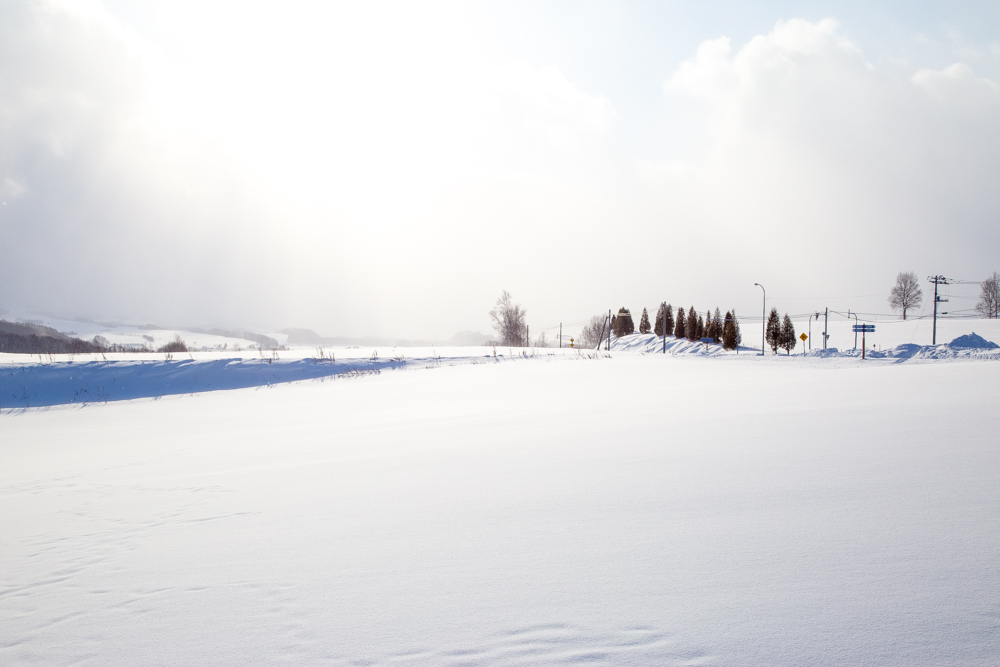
x,y
690,325
780,333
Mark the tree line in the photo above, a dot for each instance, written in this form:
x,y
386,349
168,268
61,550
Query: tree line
x,y
690,325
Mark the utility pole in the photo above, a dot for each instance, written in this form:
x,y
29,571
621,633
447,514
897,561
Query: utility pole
x,y
608,348
560,335
763,318
527,335
937,280
855,315
826,323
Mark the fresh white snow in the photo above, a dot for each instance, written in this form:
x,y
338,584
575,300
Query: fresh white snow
x,y
632,510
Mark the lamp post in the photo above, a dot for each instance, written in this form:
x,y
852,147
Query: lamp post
x,y
811,329
763,318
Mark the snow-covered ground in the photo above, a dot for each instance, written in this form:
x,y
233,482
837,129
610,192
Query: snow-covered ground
x,y
638,509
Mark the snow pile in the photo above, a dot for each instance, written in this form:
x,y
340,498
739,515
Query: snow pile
x,y
651,343
972,341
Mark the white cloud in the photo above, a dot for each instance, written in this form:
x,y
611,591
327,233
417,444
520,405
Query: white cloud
x,y
547,104
394,162
958,84
799,138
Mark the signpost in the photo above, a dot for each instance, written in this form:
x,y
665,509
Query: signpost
x,y
863,329
803,337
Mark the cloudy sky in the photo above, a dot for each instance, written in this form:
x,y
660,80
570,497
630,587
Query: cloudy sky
x,y
389,168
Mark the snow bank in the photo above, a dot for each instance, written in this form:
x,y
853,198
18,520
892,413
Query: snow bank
x,y
38,385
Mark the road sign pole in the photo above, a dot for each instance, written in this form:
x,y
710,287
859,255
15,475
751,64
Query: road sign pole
x,y
863,329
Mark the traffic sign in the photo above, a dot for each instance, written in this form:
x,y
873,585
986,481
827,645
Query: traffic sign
x,y
863,329
803,337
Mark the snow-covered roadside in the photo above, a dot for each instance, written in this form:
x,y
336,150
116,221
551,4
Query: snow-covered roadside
x,y
638,510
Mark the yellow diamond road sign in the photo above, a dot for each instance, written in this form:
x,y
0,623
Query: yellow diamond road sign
x,y
803,337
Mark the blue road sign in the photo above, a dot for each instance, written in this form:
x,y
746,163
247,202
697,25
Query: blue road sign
x,y
864,328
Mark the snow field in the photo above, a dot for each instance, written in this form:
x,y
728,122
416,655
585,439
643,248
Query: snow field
x,y
634,510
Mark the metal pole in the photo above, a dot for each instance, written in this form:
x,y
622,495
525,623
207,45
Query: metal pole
x,y
527,336
826,323
664,327
862,344
763,318
934,330
560,335
608,348
856,332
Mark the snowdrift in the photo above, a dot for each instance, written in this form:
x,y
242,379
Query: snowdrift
x,y
970,346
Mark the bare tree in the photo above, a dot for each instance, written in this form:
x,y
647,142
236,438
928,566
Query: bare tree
x,y
906,295
593,332
989,297
541,340
509,321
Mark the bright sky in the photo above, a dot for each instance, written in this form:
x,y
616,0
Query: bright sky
x,y
389,168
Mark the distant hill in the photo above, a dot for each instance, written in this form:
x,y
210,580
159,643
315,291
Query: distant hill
x,y
265,342
305,337
29,338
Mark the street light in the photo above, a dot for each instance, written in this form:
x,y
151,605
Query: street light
x,y
763,318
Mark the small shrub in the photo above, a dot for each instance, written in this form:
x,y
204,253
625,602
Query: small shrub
x,y
176,345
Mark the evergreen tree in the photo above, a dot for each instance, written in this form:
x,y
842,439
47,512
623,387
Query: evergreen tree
x,y
787,335
644,322
622,324
773,332
728,333
680,327
717,326
668,319
658,323
739,334
692,325
700,331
